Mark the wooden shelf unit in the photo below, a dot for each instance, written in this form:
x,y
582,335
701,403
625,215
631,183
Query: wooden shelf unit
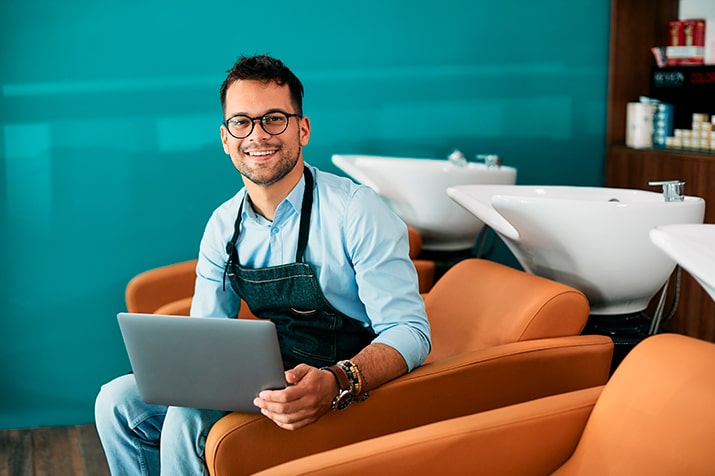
x,y
636,26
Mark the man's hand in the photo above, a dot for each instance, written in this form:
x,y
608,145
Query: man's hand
x,y
308,397
311,391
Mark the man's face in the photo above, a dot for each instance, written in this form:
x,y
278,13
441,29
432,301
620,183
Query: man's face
x,y
262,158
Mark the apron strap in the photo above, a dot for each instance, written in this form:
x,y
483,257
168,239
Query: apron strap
x,y
231,245
305,212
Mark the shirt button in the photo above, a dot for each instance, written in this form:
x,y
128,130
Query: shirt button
x,y
274,230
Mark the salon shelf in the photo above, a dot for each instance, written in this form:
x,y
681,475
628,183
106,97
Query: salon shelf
x,y
635,28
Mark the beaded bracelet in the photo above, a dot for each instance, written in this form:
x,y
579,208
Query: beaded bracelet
x,y
358,384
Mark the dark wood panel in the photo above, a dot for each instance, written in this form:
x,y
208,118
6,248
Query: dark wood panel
x,y
634,168
631,168
53,453
91,451
57,451
696,313
16,453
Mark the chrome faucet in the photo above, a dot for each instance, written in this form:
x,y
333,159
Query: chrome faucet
x,y
457,158
673,190
492,161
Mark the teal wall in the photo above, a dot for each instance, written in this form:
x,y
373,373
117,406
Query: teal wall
x,y
111,162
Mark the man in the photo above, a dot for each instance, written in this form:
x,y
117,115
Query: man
x,y
321,257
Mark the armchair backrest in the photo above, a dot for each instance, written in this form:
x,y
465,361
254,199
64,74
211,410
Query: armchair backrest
x,y
478,304
415,242
656,415
152,289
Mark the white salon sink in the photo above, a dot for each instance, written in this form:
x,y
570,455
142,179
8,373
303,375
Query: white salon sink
x,y
416,190
594,239
692,247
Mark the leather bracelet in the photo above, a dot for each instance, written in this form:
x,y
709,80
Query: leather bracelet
x,y
345,394
341,377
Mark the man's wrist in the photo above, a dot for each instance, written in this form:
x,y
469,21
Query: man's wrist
x,y
341,377
358,384
351,384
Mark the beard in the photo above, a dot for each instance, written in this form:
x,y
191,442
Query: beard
x,y
270,174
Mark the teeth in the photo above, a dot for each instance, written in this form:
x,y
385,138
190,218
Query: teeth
x,y
259,154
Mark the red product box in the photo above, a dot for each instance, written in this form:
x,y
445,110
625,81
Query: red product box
x,y
694,32
676,34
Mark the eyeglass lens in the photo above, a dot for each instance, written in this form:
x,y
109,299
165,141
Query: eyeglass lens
x,y
273,123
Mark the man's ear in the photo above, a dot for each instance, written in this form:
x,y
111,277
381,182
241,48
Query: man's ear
x,y
224,138
304,131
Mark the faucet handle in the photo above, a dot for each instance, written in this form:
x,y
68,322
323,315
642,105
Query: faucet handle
x,y
490,160
673,190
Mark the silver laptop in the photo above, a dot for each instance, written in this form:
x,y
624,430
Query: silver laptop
x,y
201,362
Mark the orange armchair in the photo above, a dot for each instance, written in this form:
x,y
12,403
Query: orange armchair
x,y
655,416
500,337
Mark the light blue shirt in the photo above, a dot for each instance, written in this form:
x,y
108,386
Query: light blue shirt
x,y
357,247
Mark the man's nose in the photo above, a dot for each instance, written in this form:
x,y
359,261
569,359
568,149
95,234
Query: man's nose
x,y
258,130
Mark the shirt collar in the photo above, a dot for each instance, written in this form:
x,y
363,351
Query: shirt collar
x,y
291,204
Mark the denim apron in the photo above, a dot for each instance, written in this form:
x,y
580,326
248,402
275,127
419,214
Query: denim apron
x,y
310,330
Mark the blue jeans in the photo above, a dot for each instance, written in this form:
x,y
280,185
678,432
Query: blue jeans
x,y
143,439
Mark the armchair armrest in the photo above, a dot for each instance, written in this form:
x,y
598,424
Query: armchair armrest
x,y
461,385
531,438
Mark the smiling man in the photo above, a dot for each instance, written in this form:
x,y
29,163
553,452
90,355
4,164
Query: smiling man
x,y
321,257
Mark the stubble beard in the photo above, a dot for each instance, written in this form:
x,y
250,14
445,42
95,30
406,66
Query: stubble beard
x,y
267,176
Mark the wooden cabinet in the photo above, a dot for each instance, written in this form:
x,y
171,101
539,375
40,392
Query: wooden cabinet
x,y
636,26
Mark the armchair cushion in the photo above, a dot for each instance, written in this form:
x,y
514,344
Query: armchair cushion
x,y
530,438
655,416
459,386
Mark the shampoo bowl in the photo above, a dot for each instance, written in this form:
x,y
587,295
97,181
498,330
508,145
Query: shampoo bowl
x,y
594,239
416,190
692,247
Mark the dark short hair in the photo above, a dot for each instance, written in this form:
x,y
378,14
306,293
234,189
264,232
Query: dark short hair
x,y
266,69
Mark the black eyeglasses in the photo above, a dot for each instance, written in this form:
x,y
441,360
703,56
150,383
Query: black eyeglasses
x,y
274,123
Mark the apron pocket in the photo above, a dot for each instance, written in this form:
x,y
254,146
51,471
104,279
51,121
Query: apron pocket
x,y
304,313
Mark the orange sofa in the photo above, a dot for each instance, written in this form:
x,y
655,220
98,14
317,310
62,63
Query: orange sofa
x,y
654,417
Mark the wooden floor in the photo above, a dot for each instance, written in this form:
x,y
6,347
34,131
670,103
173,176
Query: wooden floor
x,y
61,451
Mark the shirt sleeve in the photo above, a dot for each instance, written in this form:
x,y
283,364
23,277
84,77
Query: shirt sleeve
x,y
213,297
377,241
